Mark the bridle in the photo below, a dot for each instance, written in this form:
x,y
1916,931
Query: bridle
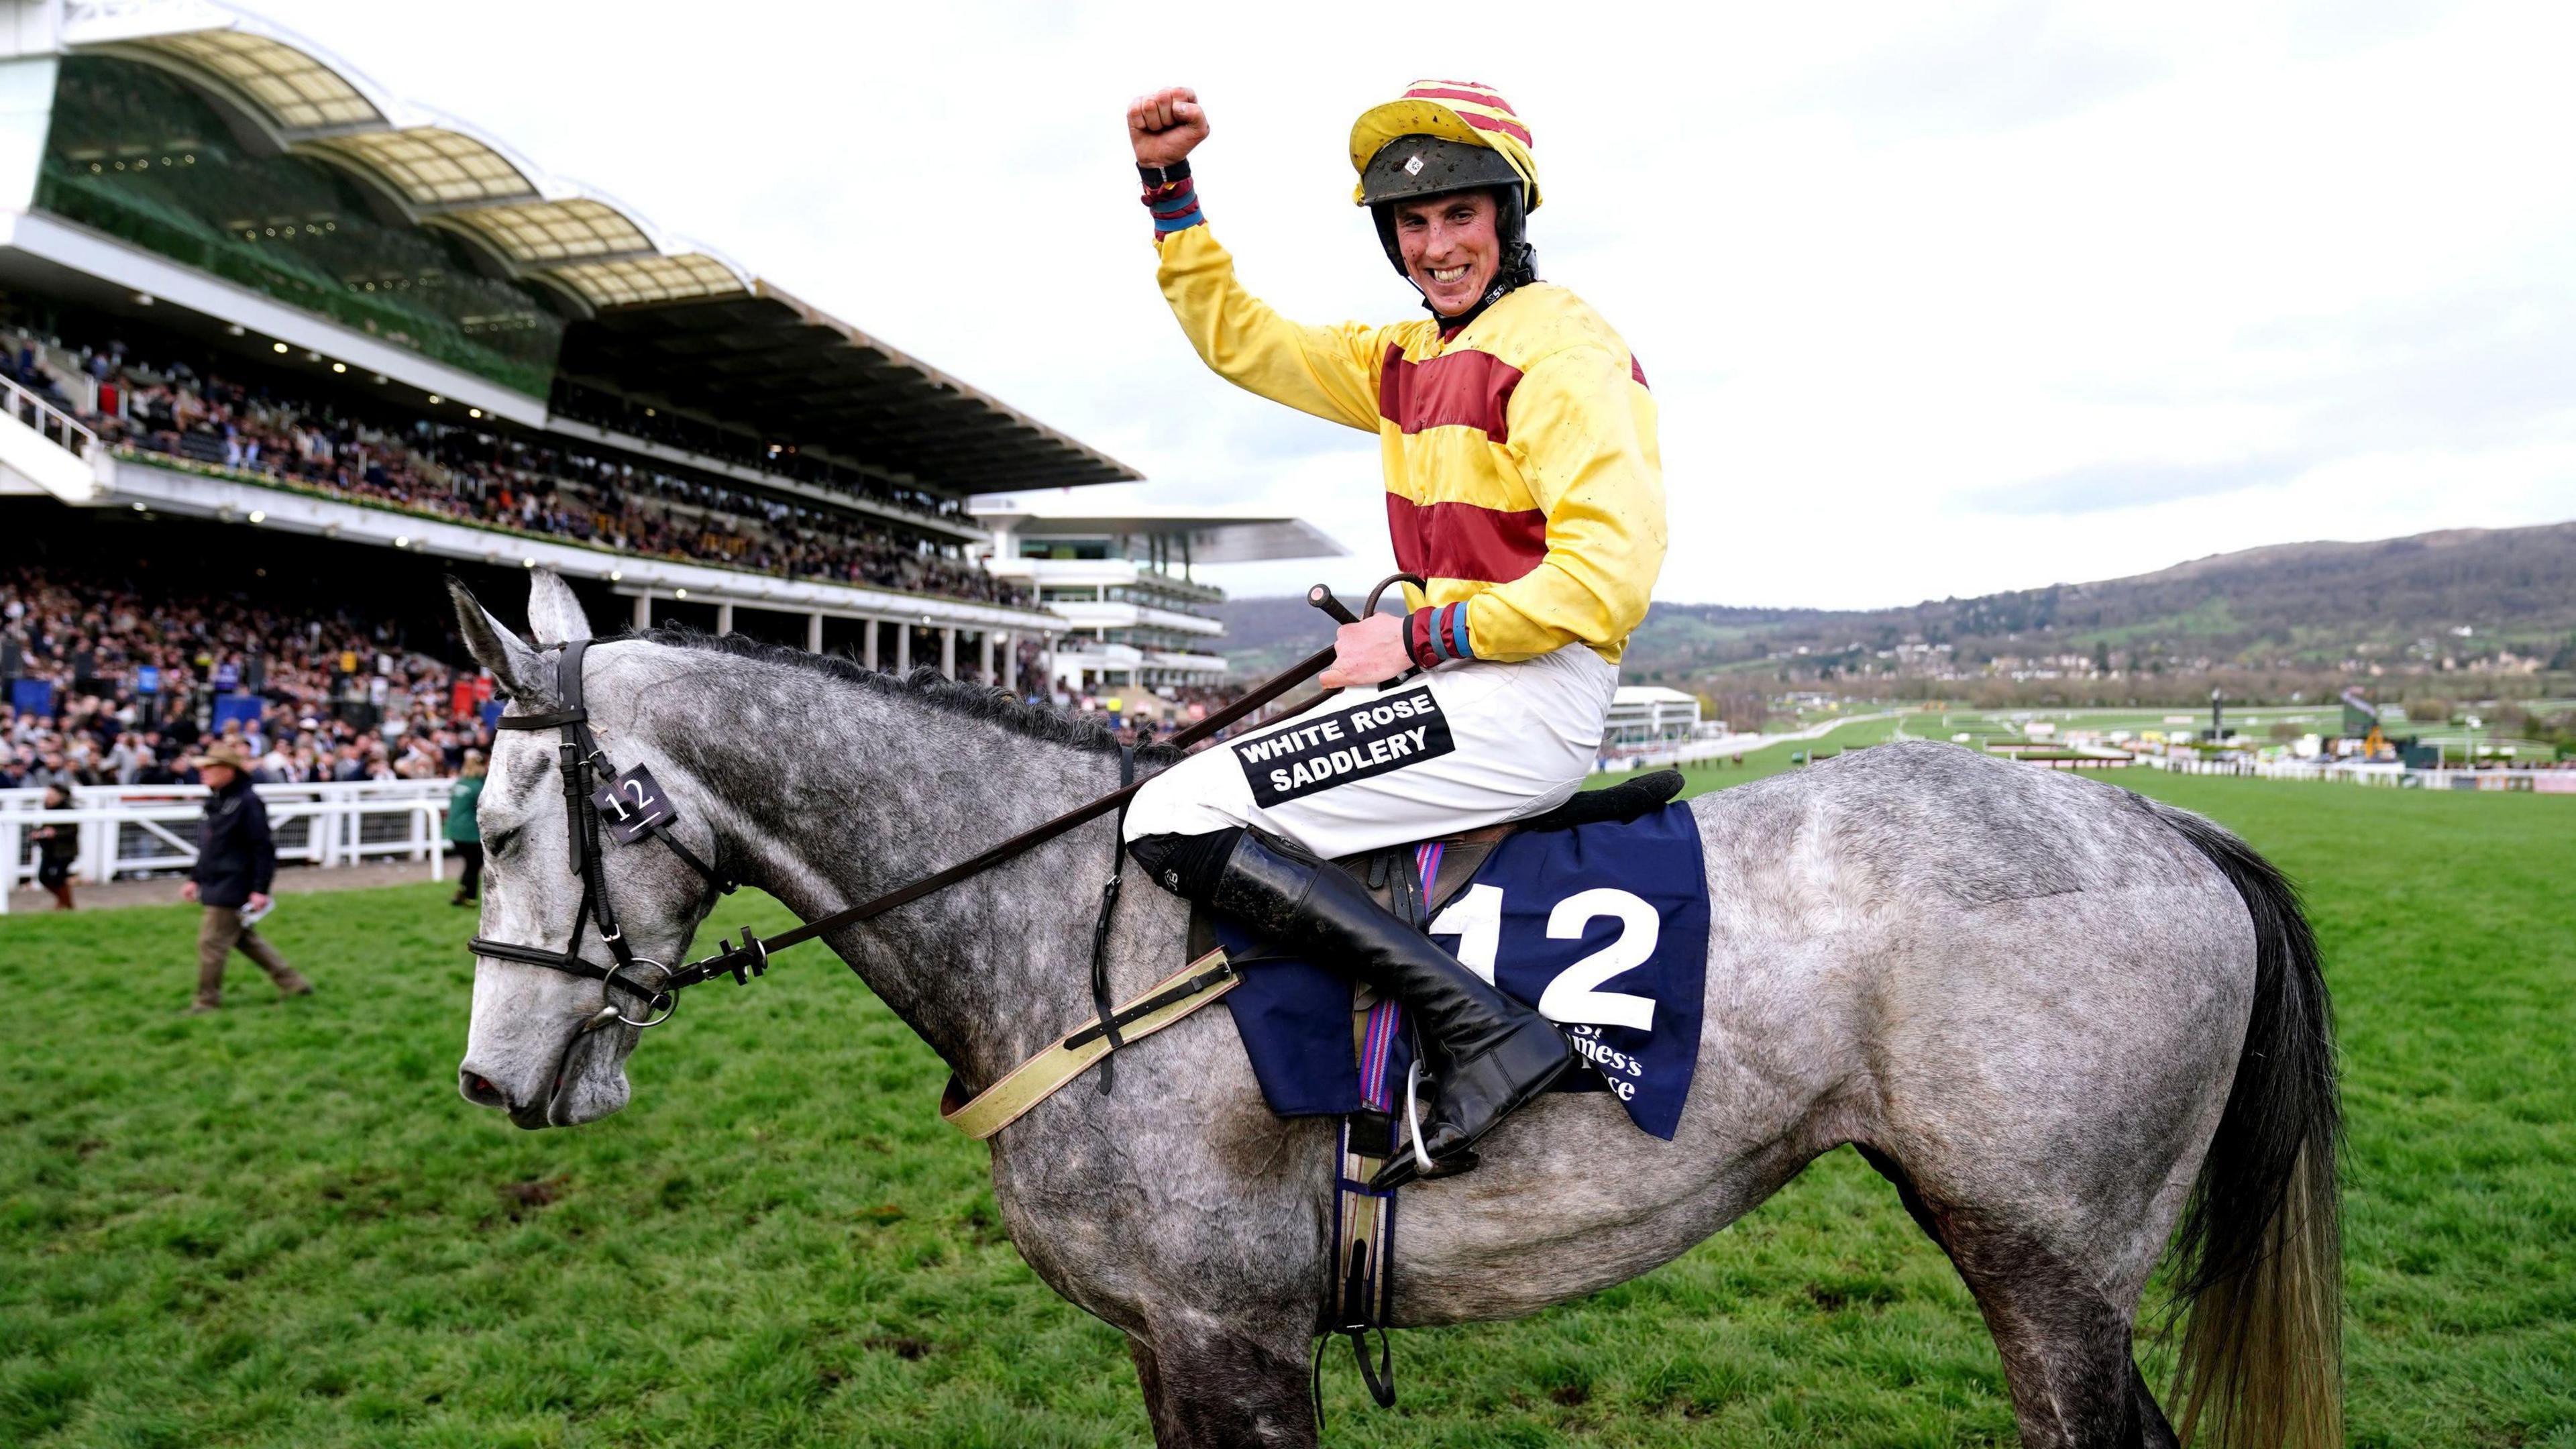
x,y
582,762
749,956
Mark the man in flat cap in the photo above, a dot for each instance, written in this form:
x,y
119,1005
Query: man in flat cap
x,y
236,861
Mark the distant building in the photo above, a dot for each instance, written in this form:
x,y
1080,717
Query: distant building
x,y
1647,714
1123,581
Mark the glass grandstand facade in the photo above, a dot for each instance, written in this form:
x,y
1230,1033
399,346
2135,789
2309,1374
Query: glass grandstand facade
x,y
1122,580
140,155
1170,612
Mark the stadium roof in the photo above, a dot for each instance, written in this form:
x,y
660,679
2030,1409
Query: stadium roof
x,y
764,358
664,321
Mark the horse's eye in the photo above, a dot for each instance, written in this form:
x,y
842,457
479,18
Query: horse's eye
x,y
500,843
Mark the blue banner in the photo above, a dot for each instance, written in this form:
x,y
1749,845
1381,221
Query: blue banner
x,y
32,696
243,707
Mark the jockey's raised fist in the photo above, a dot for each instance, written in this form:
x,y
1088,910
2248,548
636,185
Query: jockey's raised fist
x,y
1166,126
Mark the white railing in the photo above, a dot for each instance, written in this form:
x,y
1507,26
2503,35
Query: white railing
x,y
50,422
143,830
2387,774
1656,755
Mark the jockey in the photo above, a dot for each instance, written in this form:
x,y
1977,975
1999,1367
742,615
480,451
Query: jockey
x,y
1522,481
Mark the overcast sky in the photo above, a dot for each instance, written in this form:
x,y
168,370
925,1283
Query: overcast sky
x,y
1935,300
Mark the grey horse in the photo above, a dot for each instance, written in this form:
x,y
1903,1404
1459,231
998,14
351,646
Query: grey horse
x,y
2062,1019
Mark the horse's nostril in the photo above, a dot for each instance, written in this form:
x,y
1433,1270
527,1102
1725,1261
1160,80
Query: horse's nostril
x,y
479,1090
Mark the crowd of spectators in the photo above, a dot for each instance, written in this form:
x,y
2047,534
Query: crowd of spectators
x,y
127,688
105,683
176,409
133,683
1159,712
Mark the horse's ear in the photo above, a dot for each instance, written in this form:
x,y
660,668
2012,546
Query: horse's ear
x,y
554,611
516,668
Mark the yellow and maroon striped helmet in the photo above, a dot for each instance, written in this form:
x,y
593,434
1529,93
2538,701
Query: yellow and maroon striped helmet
x,y
1469,113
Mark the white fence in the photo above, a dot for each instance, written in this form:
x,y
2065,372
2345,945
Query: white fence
x,y
1657,756
141,830
2387,774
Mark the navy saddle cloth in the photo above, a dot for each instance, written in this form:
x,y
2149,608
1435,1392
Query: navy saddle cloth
x,y
1602,926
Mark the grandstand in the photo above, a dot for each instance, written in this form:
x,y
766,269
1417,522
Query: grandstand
x,y
1123,581
262,317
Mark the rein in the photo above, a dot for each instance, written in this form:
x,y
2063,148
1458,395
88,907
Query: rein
x,y
749,956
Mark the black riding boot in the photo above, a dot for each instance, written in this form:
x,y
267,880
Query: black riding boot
x,y
1488,1052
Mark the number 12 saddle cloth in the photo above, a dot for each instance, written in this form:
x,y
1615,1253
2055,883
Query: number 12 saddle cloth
x,y
1601,926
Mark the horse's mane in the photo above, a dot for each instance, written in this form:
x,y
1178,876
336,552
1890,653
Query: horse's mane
x,y
924,686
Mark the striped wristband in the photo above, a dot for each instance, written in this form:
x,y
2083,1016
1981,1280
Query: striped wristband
x,y
1172,196
1435,635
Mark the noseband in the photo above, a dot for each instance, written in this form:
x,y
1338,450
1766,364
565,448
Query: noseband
x,y
582,763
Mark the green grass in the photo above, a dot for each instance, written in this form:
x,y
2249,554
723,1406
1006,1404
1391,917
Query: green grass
x,y
280,1226
1773,758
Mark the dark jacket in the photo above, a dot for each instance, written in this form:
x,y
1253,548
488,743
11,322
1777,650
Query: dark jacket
x,y
236,856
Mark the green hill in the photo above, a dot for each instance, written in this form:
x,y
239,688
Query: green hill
x,y
2476,598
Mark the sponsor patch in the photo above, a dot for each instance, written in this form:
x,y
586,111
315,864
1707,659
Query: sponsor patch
x,y
1356,743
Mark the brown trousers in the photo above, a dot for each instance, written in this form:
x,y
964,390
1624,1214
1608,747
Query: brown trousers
x,y
223,930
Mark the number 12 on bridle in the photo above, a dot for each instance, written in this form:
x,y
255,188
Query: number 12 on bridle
x,y
633,805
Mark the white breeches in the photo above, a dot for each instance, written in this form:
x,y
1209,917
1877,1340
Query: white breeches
x,y
1470,744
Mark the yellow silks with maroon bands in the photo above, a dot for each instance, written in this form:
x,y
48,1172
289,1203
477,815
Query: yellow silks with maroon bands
x,y
1522,475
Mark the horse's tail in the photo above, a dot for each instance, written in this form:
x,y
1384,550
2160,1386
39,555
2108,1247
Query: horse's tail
x,y
2259,1260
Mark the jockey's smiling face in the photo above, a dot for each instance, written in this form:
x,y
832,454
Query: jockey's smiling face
x,y
1450,247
